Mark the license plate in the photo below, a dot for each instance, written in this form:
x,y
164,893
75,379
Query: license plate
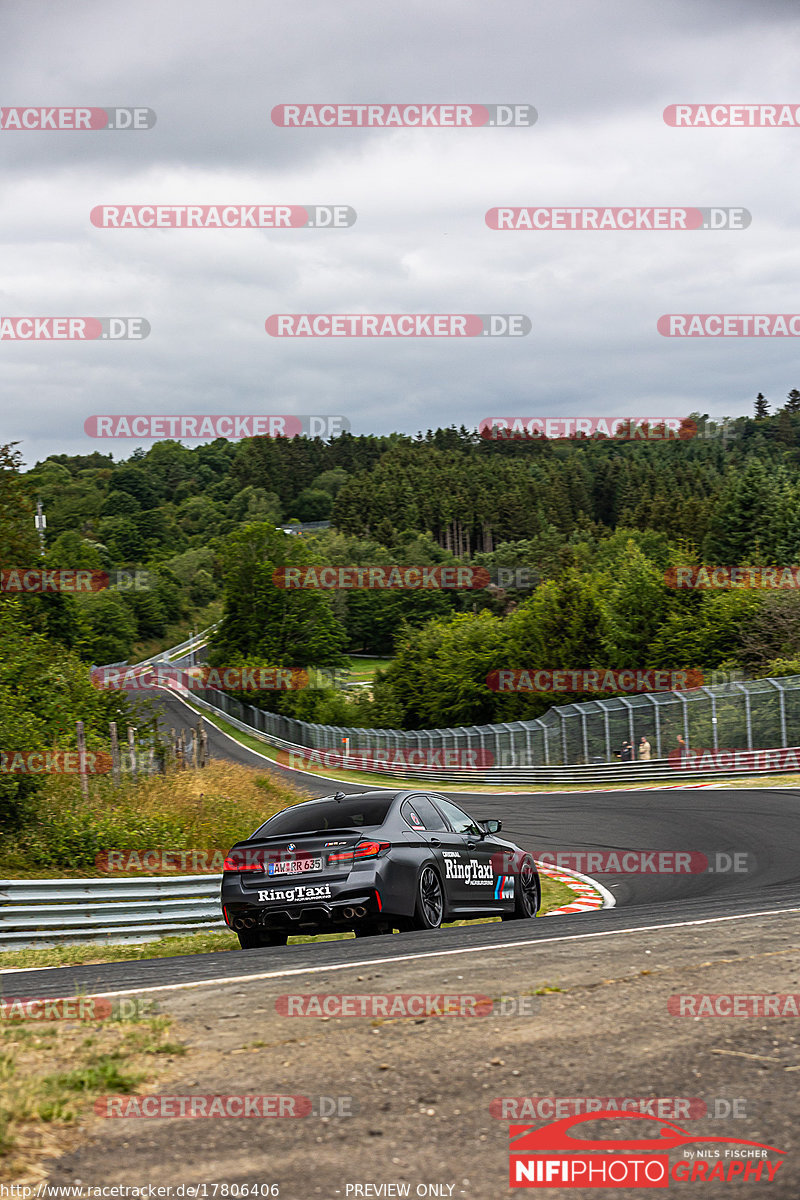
x,y
298,866
296,894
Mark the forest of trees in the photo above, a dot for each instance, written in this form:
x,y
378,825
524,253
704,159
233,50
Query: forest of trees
x,y
596,523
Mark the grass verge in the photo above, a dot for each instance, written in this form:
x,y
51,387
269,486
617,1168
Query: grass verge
x,y
66,835
51,1072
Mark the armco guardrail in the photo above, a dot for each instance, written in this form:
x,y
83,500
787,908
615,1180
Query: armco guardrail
x,y
63,912
57,912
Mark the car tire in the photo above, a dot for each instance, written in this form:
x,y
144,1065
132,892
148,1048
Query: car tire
x,y
527,892
254,939
429,907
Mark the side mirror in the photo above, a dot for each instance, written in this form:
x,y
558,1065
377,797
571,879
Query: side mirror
x,y
492,826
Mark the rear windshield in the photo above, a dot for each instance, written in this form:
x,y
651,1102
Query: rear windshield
x,y
354,812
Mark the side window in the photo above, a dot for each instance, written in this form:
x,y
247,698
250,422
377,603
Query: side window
x,y
411,816
419,813
461,822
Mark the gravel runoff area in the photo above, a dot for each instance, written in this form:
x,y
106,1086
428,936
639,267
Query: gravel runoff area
x,y
586,1015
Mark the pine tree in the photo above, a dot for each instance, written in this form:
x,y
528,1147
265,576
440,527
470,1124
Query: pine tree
x,y
792,404
744,515
762,407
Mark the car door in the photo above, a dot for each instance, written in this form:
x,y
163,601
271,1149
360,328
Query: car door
x,y
477,876
430,829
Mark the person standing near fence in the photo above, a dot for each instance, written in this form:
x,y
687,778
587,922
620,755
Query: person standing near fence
x,y
644,749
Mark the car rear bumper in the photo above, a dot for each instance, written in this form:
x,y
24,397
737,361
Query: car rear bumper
x,y
346,907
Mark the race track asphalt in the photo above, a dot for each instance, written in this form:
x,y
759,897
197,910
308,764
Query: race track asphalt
x,y
759,826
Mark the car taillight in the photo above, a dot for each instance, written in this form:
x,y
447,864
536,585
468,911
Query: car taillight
x,y
371,849
338,860
364,850
250,863
361,851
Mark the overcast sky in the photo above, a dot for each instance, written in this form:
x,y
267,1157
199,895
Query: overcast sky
x,y
599,76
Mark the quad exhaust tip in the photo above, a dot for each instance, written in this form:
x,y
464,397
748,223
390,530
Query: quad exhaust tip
x,y
349,913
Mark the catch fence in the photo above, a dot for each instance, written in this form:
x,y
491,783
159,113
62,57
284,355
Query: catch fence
x,y
747,715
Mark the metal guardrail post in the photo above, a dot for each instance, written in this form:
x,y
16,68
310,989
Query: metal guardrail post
x,y
776,683
606,728
505,727
631,729
685,704
747,715
657,723
714,731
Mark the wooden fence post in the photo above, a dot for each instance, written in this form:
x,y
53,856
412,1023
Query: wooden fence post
x,y
112,728
82,759
202,738
132,749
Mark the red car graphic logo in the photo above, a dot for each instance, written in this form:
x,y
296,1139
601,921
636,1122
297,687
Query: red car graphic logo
x,y
526,1139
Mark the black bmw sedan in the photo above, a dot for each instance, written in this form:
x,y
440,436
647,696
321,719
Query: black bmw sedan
x,y
373,862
